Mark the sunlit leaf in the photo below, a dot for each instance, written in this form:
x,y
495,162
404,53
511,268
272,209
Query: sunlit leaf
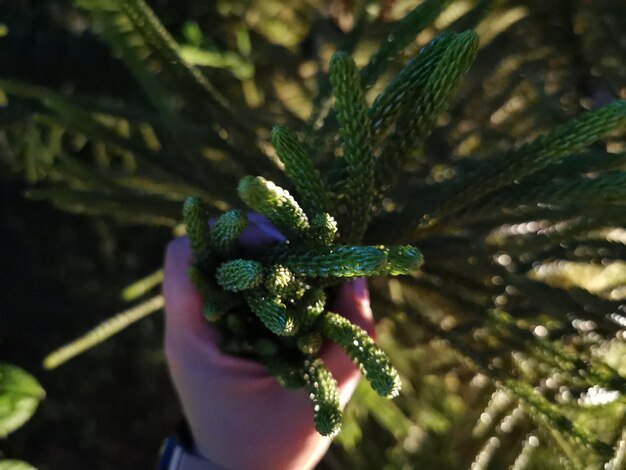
x,y
20,395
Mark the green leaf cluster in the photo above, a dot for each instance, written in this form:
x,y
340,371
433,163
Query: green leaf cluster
x,y
20,395
497,149
282,287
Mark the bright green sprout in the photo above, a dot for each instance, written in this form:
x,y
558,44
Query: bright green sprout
x,y
280,281
226,231
272,312
197,221
274,203
282,287
372,361
324,397
239,274
300,169
313,301
323,229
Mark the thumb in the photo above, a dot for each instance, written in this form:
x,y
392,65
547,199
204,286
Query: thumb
x,y
183,304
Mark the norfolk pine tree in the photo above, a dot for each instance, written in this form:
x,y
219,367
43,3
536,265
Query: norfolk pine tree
x,y
492,216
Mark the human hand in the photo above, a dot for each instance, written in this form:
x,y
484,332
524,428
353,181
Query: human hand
x,y
240,417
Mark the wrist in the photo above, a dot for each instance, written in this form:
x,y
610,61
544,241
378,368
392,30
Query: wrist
x,y
178,453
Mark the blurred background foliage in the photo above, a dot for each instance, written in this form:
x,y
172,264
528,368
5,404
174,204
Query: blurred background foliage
x,y
517,296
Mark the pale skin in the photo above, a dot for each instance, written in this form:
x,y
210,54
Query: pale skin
x,y
239,416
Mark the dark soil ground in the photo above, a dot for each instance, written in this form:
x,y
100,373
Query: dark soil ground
x,y
60,275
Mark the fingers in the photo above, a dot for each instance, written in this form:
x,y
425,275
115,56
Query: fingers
x,y
183,305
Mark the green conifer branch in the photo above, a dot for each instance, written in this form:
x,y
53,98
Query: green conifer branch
x,y
240,274
331,261
401,260
324,397
543,411
570,166
607,189
592,371
323,229
427,103
354,128
282,282
347,261
402,34
276,204
312,306
151,42
528,448
538,407
271,311
227,229
103,331
126,206
142,286
196,218
372,361
300,170
498,172
398,95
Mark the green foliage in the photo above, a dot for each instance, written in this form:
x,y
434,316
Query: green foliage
x,y
332,261
135,33
196,220
228,227
499,171
324,397
323,229
284,292
300,170
282,282
359,346
403,32
239,274
274,203
313,303
355,129
20,395
427,95
272,312
15,465
514,321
